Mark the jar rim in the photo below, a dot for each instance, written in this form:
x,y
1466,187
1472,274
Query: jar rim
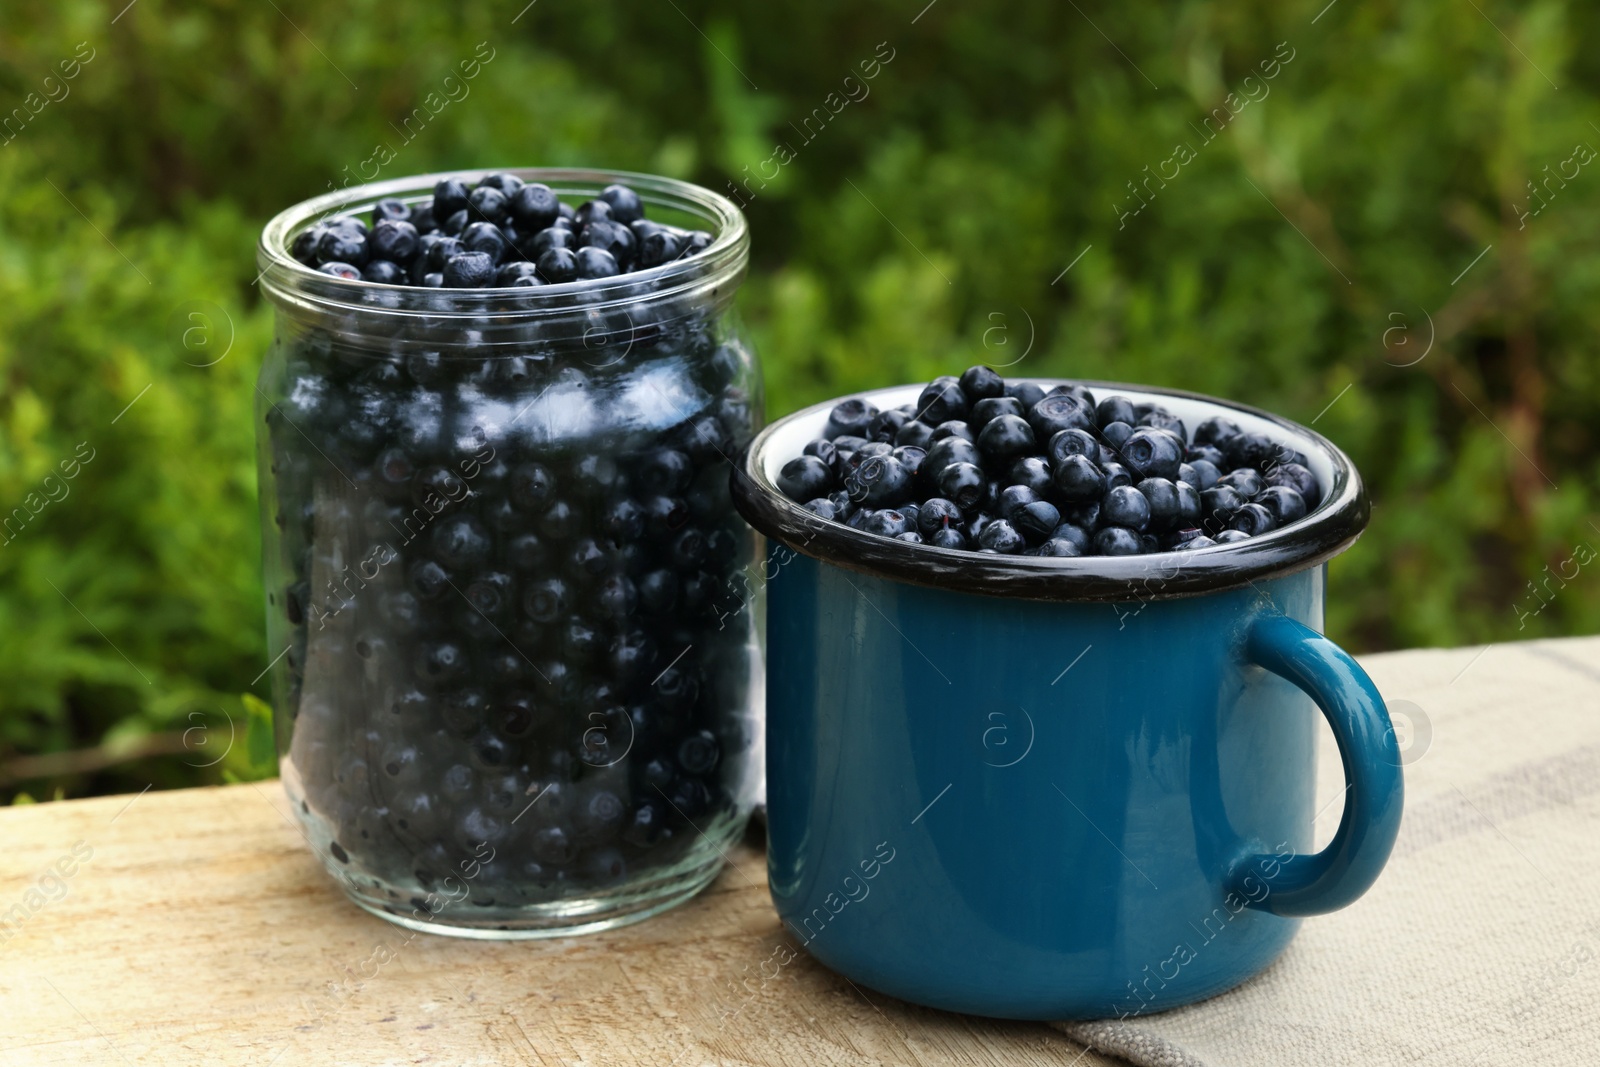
x,y
1336,522
287,281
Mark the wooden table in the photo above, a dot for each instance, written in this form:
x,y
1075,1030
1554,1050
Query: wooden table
x,y
195,927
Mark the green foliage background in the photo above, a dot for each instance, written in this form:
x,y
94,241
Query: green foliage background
x,y
1321,239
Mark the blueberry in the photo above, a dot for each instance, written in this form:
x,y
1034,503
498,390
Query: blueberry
x,y
579,641
985,411
804,478
1114,409
488,204
941,401
663,515
1117,541
534,207
1073,389
1249,450
885,523
553,237
1218,506
698,753
469,270
1073,442
460,540
441,663
1059,412
1162,497
937,514
1162,420
586,559
1006,436
910,457
551,845
1085,515
1282,503
343,246
346,271
1027,393
1000,536
880,481
657,591
383,272
1033,472
592,211
885,425
1127,507
949,537
1013,497
449,196
1077,535
1252,519
558,265
951,450
599,818
962,483
1215,431
490,594
697,241
547,601
608,236
850,418
953,428
1116,475
688,549
1078,480
428,579
982,383
657,247
822,507
1297,477
508,184
1228,537
1036,521
1153,453
1246,480
914,433
1189,507
596,263
1116,433
486,237
624,203
1205,474
304,245
394,240
1058,547
517,274
822,448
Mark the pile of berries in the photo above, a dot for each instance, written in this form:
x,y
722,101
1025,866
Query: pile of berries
x,y
983,464
502,232
512,594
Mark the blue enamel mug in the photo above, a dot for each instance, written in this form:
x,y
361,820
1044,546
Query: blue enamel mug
x,y
1060,788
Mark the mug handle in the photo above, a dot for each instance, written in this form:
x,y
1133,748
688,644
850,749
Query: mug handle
x,y
1374,790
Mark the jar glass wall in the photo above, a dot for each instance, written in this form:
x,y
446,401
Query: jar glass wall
x,y
519,689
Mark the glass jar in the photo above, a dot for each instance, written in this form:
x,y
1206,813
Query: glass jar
x,y
518,690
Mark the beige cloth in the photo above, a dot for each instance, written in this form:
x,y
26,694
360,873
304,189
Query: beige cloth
x,y
1479,945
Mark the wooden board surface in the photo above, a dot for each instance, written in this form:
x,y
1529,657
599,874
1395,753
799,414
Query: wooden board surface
x,y
195,927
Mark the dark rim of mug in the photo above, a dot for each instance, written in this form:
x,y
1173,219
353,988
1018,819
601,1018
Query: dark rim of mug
x,y
1333,526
